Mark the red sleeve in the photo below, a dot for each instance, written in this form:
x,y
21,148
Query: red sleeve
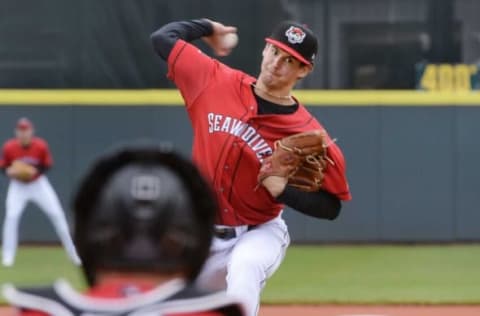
x,y
335,181
5,160
24,312
335,174
198,314
190,69
47,159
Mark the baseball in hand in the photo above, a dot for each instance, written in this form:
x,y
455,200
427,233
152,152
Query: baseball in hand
x,y
229,40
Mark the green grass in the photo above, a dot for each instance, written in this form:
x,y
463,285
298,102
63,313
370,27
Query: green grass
x,y
323,274
377,274
41,265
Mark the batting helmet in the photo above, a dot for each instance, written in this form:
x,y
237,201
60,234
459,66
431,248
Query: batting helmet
x,y
143,210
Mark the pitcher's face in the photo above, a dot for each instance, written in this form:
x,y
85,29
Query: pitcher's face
x,y
279,69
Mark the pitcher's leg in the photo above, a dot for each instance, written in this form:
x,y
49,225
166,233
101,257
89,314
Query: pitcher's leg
x,y
48,200
214,271
255,257
15,204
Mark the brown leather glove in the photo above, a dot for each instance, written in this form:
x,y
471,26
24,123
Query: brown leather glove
x,y
301,158
22,171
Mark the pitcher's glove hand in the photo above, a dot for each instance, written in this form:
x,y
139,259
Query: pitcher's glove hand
x,y
22,171
301,158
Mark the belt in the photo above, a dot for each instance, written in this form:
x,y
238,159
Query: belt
x,y
227,233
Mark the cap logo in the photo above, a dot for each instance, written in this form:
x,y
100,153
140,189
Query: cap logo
x,y
295,35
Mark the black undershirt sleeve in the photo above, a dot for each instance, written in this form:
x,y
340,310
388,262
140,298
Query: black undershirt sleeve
x,y
321,204
42,169
165,38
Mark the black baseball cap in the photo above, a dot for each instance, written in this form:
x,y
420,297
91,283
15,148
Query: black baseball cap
x,y
296,39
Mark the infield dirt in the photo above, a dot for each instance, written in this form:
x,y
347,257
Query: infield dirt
x,y
352,310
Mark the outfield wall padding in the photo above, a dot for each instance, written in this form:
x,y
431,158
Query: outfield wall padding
x,y
413,170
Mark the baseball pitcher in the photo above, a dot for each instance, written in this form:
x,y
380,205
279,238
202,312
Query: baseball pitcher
x,y
257,144
25,159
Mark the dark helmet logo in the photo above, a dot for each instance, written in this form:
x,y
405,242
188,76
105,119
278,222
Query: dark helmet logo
x,y
145,188
295,35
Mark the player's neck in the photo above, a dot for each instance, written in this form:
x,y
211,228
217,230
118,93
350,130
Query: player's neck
x,y
277,96
25,143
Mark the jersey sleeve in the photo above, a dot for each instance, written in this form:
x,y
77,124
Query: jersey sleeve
x,y
198,314
5,160
190,69
335,180
47,160
27,312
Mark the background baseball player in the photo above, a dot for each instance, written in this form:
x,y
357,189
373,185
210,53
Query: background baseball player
x,y
238,122
25,159
143,226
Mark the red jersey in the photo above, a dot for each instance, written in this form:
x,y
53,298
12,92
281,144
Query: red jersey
x,y
36,154
231,139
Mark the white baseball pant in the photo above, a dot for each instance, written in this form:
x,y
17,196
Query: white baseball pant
x,y
242,265
41,193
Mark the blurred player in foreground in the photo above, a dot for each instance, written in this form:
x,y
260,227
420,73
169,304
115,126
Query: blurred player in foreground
x,y
143,226
25,159
252,137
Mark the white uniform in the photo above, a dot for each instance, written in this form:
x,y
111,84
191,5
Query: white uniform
x,y
242,264
38,191
41,193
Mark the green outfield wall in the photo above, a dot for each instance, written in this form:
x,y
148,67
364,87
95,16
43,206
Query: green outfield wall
x,y
412,156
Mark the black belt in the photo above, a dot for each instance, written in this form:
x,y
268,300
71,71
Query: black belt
x,y
227,233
